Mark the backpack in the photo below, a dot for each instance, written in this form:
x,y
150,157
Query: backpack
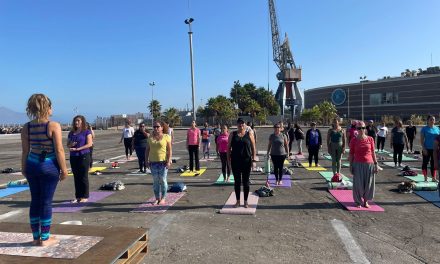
x,y
178,187
113,186
409,173
336,177
406,168
264,191
406,187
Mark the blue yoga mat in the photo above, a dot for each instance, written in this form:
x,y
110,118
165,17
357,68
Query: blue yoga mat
x,y
12,190
430,196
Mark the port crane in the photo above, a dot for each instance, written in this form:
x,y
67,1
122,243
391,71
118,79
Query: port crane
x,y
288,93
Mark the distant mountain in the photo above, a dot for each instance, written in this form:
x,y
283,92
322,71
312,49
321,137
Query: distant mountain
x,y
7,116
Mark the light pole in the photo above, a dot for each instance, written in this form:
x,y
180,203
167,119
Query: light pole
x,y
362,78
188,22
152,84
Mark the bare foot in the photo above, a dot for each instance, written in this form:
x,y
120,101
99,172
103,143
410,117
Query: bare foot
x,y
51,241
280,183
36,242
366,205
83,200
237,204
246,205
227,179
157,201
162,202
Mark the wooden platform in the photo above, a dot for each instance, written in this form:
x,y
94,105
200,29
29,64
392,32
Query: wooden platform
x,y
120,244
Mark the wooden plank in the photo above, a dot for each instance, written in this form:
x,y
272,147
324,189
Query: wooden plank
x,y
116,242
133,250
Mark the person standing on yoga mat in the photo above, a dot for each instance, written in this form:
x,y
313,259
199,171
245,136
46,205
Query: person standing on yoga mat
x,y
436,155
336,146
381,136
278,149
193,146
427,137
127,136
241,154
372,130
363,166
217,131
89,127
158,158
291,133
222,149
79,142
140,138
299,137
398,142
206,140
313,143
411,132
44,165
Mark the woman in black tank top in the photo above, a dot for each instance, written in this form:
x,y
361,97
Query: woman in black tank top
x,y
241,153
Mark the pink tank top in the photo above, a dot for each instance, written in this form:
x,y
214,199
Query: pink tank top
x,y
193,136
222,143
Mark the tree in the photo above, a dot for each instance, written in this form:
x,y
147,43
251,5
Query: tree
x,y
155,109
221,108
171,115
328,111
312,114
251,106
266,100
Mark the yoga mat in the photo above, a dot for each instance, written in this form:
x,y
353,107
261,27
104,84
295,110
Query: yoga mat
x,y
210,159
327,175
346,164
286,162
383,151
229,208
404,158
68,207
418,178
313,168
68,247
13,190
345,197
426,186
193,173
328,157
262,152
150,207
430,196
221,182
299,157
91,170
287,183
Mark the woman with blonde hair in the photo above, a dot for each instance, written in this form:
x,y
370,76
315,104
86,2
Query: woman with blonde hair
x,y
44,165
79,142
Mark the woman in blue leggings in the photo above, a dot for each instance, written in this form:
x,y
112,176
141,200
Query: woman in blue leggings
x,y
44,165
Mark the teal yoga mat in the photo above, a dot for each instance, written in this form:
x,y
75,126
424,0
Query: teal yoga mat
x,y
327,175
418,178
328,157
221,182
12,190
404,158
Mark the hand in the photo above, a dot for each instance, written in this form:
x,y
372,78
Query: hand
x,y
424,152
168,164
73,149
63,175
376,169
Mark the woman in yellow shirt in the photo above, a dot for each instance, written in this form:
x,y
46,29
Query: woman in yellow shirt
x,y
158,159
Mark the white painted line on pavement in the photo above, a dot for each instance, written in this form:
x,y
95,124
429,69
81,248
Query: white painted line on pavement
x,y
117,157
9,214
177,142
353,249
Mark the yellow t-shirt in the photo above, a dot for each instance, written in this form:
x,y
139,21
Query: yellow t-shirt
x,y
158,149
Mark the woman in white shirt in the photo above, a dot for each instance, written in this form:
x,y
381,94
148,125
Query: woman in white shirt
x,y
381,136
127,136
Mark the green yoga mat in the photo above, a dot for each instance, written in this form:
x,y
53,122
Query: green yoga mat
x,y
221,182
383,151
346,164
418,178
328,176
328,157
404,158
426,186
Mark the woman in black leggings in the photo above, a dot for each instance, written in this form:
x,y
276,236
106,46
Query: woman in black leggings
x,y
241,154
278,150
127,136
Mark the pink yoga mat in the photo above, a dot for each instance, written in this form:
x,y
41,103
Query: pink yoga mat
x,y
229,208
287,183
299,157
150,207
345,197
68,207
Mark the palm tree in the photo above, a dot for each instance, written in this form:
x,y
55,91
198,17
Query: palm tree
x,y
171,115
155,109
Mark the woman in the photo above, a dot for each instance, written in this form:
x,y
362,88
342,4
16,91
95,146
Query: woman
x,y
411,132
398,142
427,136
127,136
381,136
79,142
217,131
436,155
291,134
193,146
241,154
89,127
140,138
158,159
277,148
336,146
313,143
169,131
299,137
222,149
44,165
363,166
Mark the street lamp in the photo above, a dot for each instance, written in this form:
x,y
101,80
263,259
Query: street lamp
x,y
362,78
188,22
152,84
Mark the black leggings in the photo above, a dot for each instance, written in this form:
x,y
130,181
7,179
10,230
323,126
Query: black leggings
x,y
128,147
426,159
290,144
193,151
380,142
398,151
313,152
241,169
80,169
278,162
410,144
225,164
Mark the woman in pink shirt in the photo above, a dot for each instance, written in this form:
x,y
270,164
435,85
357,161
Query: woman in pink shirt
x,y
193,145
222,149
363,166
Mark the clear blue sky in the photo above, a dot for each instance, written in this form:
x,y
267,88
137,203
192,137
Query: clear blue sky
x,y
99,55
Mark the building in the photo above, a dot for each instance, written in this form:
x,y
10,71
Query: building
x,y
412,93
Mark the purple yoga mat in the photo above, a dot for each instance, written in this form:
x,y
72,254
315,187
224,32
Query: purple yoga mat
x,y
68,207
150,207
287,183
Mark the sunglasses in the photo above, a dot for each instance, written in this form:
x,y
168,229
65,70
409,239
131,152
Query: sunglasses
x,y
156,126
360,128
